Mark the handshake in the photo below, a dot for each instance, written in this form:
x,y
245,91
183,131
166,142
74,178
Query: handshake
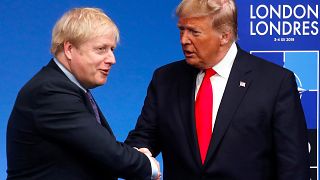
x,y
156,173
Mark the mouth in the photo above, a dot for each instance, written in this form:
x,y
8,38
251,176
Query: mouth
x,y
105,72
188,54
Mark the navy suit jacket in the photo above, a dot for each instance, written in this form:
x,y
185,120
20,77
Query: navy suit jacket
x,y
53,134
259,134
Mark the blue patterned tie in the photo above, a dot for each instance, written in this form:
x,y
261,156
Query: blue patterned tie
x,y
94,106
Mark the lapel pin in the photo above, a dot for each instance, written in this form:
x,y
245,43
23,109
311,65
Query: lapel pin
x,y
242,84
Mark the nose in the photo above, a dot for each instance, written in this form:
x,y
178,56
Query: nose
x,y
110,58
184,38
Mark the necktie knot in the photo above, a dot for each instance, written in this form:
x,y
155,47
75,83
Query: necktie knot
x,y
89,95
209,72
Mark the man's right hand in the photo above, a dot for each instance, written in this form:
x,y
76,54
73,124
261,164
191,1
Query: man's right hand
x,y
147,152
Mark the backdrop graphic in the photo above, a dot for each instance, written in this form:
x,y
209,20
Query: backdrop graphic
x,y
284,32
305,65
287,33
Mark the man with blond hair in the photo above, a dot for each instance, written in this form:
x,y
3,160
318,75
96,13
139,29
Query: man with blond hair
x,y
56,130
222,114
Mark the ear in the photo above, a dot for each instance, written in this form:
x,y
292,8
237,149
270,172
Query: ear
x,y
68,48
225,37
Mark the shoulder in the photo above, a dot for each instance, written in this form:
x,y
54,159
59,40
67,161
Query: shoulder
x,y
46,82
175,69
263,66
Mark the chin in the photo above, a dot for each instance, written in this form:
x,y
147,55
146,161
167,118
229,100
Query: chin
x,y
193,63
98,83
102,82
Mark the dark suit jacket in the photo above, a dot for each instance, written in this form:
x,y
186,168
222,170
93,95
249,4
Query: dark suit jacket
x,y
53,134
259,134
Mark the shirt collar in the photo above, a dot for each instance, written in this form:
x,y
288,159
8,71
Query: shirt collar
x,y
68,74
223,68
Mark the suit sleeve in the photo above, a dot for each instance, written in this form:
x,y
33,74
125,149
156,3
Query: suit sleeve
x,y
290,133
62,116
146,133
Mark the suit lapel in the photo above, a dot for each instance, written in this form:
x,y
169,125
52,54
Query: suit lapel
x,y
186,92
90,108
105,123
232,97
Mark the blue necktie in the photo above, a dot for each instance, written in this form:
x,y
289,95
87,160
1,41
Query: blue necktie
x,y
94,106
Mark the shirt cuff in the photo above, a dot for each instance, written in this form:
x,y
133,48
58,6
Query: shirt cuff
x,y
154,169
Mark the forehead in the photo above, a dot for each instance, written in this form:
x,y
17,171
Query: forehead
x,y
203,21
107,39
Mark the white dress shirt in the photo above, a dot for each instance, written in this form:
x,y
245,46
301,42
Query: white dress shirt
x,y
219,80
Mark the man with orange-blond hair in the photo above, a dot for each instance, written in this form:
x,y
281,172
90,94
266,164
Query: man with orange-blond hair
x,y
222,114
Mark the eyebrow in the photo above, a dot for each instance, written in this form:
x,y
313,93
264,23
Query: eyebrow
x,y
188,27
104,44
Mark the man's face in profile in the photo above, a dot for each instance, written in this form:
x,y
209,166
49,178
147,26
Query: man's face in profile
x,y
91,61
200,42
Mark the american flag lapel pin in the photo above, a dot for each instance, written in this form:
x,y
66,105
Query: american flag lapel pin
x,y
242,84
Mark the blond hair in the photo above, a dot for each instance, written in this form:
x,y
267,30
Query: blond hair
x,y
79,25
223,12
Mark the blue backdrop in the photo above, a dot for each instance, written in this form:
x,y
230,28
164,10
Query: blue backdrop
x,y
149,39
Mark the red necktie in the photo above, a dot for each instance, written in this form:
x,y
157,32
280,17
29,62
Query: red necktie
x,y
203,113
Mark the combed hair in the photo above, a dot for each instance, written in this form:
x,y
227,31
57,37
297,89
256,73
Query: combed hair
x,y
79,25
223,12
